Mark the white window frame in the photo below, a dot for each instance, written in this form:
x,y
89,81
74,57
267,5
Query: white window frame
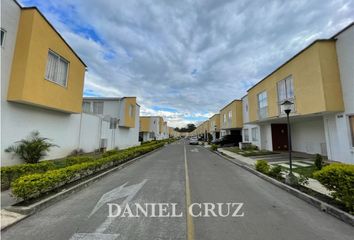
x,y
246,136
263,108
67,71
287,97
254,132
2,43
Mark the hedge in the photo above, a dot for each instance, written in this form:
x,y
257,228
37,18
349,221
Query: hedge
x,y
11,173
34,185
339,178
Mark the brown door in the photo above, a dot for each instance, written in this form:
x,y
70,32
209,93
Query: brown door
x,y
280,137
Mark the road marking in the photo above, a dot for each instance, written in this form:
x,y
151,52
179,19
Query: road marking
x,y
190,224
120,192
194,150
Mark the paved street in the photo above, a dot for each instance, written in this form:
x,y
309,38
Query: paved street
x,y
269,212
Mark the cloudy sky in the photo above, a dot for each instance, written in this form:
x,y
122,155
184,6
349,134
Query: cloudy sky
x,y
186,59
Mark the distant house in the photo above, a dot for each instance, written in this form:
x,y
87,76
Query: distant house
x,y
152,128
121,115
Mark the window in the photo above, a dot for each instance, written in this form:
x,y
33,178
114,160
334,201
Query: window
x,y
246,137
262,105
97,108
285,89
57,69
351,123
86,107
224,117
2,39
254,134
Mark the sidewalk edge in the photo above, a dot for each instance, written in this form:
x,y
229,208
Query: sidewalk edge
x,y
324,207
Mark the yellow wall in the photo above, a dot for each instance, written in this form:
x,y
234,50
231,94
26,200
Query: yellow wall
x,y
27,83
160,125
315,78
129,121
145,124
236,108
216,119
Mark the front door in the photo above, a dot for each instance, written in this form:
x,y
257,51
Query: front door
x,y
280,137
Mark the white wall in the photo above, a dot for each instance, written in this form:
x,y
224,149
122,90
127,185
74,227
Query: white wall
x,y
250,140
308,136
342,147
266,137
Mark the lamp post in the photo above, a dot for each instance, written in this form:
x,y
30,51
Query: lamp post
x,y
287,109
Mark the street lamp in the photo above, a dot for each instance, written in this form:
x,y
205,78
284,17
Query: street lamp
x,y
287,106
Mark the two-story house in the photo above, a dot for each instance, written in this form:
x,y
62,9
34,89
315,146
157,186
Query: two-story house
x,y
42,81
121,115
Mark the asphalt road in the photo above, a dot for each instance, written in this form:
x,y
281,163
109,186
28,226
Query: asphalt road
x,y
268,212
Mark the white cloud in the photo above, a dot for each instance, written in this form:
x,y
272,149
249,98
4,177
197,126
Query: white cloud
x,y
193,56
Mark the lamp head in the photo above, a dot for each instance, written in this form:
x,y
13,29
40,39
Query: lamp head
x,y
287,106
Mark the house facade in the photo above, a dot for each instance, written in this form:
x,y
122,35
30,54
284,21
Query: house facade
x,y
319,81
118,120
214,126
250,132
231,121
152,128
42,81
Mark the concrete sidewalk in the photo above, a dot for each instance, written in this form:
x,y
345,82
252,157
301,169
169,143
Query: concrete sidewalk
x,y
6,199
312,183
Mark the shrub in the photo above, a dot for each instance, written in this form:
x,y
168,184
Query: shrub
x,y
31,149
339,178
262,166
11,173
318,161
214,147
34,185
275,172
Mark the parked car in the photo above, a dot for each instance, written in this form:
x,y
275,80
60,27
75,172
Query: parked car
x,y
228,140
193,141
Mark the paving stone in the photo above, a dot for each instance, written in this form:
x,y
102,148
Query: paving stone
x,y
302,164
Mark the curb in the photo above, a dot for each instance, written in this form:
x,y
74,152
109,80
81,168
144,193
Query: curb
x,y
324,207
44,203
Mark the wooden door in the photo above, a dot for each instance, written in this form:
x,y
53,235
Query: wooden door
x,y
280,137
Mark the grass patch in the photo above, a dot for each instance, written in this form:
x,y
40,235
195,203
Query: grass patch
x,y
249,153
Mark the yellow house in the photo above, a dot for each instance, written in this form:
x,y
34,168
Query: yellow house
x,y
129,108
153,128
310,81
231,118
45,72
214,126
